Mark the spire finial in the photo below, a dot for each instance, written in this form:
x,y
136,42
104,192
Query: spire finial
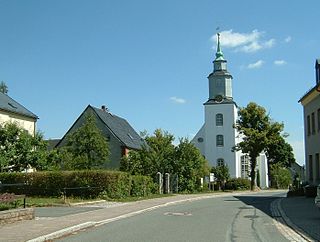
x,y
219,54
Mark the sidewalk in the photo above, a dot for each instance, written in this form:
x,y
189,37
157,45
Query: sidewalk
x,y
303,215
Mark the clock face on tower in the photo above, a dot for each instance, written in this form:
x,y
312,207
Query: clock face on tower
x,y
218,98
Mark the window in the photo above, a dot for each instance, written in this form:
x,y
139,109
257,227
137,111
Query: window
x,y
313,123
310,168
219,140
220,162
318,114
308,125
245,169
317,167
219,119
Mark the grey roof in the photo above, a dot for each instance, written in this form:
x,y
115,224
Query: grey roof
x,y
120,128
10,105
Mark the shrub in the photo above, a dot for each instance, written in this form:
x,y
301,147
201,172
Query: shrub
x,y
88,183
238,184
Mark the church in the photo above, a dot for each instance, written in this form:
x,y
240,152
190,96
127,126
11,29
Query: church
x,y
217,136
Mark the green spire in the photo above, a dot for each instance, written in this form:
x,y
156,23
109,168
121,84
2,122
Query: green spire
x,y
219,54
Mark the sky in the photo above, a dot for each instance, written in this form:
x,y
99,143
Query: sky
x,y
148,60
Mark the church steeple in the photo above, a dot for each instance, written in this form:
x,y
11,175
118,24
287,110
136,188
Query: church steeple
x,y
220,80
219,53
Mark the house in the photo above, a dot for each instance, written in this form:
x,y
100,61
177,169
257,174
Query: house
x,y
12,111
311,115
217,136
120,135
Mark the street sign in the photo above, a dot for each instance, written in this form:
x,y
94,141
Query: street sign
x,y
211,179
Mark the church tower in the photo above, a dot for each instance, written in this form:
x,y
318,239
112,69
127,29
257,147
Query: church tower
x,y
217,136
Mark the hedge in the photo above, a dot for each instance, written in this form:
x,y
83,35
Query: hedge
x,y
89,183
238,184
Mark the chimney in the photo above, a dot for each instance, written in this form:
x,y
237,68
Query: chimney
x,y
103,108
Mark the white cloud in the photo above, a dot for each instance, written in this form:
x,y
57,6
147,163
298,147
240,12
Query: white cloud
x,y
256,65
178,100
288,39
245,42
279,62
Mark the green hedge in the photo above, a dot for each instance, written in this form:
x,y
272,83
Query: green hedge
x,y
238,184
90,183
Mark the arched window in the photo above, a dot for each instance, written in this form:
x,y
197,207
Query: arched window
x,y
219,119
220,162
219,140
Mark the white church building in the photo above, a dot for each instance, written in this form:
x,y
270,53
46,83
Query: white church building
x,y
217,136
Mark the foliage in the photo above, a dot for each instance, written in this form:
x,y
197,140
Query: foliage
x,y
86,147
279,151
3,87
221,173
157,156
238,184
257,131
21,150
189,165
160,155
89,183
280,176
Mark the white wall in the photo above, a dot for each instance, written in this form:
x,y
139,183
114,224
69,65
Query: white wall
x,y
26,123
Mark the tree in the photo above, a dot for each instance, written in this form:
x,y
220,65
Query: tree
x,y
221,173
86,147
156,156
21,150
279,151
257,131
3,87
160,155
280,176
189,165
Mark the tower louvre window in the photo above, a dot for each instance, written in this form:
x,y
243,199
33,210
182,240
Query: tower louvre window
x,y
219,119
219,140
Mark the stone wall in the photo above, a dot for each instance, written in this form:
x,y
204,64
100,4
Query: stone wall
x,y
13,215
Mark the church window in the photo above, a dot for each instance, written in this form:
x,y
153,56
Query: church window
x,y
220,140
200,139
245,169
219,119
220,162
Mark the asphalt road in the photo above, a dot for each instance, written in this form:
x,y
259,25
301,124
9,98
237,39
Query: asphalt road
x,y
233,218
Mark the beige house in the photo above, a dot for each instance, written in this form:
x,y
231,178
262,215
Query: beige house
x,y
12,111
311,114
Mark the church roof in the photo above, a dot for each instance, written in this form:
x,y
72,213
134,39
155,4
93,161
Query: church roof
x,y
10,105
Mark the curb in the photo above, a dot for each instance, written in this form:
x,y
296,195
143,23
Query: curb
x,y
285,225
63,232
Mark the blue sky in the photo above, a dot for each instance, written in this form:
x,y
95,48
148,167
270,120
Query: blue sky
x,y
148,61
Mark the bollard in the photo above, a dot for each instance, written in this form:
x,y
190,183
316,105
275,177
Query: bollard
x,y
160,182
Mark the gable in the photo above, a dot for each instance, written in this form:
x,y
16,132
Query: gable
x,y
7,104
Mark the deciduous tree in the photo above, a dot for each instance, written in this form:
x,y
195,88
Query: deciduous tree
x,y
257,131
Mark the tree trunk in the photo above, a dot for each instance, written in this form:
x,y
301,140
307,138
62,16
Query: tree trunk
x,y
253,164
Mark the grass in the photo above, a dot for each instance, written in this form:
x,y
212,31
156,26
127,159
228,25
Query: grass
x,y
59,201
